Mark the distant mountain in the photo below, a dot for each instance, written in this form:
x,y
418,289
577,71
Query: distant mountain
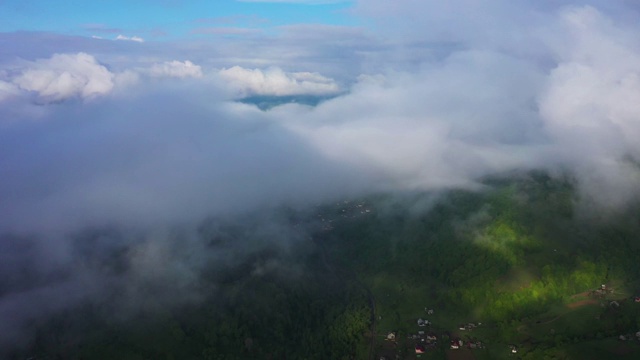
x,y
267,102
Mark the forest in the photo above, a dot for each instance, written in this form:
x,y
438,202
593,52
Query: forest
x,y
524,254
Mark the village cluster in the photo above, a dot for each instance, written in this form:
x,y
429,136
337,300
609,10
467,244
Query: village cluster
x,y
602,292
631,337
425,339
348,210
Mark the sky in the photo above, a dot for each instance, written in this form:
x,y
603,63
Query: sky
x,y
129,115
168,19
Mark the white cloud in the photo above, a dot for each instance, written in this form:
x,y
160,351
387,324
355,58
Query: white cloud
x,y
132,38
443,127
591,104
8,90
64,76
175,68
274,81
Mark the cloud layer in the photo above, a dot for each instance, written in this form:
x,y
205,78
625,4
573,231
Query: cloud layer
x,y
442,123
130,38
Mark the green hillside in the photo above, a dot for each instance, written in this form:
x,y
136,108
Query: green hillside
x,y
521,264
524,257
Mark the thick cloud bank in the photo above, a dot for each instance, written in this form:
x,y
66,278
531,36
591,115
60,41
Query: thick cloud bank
x,y
180,69
274,81
591,104
64,76
117,138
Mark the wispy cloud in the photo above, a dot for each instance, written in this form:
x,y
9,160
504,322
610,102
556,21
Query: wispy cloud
x,y
130,38
8,90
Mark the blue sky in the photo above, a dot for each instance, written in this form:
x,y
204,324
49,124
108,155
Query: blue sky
x,y
165,18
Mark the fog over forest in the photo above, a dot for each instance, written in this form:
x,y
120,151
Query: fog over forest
x,y
120,159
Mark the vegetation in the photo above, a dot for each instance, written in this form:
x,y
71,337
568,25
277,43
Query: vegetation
x,y
519,256
516,257
265,102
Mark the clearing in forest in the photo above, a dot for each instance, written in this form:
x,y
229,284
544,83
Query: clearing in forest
x,y
580,303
